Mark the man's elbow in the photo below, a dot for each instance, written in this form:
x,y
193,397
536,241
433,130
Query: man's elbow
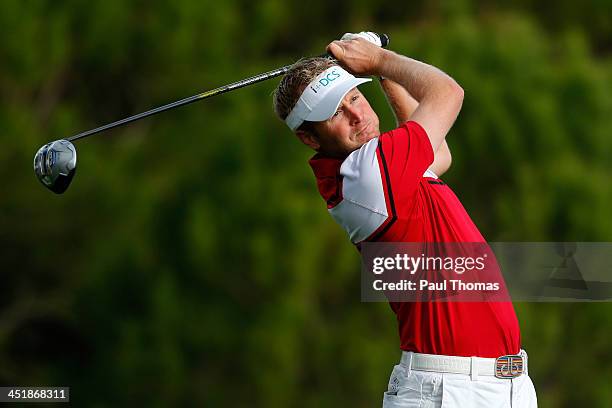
x,y
442,160
448,97
455,94
446,159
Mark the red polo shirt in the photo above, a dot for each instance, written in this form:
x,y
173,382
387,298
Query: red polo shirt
x,y
383,192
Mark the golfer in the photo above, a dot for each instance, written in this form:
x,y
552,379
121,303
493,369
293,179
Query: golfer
x,y
385,187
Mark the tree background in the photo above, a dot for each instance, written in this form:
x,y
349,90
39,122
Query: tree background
x,y
192,261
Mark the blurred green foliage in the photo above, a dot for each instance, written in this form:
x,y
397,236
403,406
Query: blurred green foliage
x,y
192,261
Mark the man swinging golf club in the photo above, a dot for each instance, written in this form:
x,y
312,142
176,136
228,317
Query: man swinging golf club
x,y
384,187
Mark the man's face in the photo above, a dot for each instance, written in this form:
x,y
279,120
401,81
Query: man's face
x,y
353,124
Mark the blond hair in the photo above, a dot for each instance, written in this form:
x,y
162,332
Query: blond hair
x,y
292,85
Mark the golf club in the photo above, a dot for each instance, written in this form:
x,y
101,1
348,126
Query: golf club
x,y
55,162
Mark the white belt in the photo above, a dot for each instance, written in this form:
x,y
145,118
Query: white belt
x,y
510,366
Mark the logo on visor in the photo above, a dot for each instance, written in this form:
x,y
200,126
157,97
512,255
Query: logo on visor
x,y
326,80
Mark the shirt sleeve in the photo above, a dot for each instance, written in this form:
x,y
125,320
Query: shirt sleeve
x,y
405,154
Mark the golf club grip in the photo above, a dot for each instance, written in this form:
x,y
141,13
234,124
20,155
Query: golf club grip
x,y
384,42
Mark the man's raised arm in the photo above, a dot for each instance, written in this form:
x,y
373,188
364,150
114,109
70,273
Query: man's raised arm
x,y
439,96
403,106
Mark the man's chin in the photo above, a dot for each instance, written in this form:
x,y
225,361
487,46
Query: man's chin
x,y
355,145
363,139
360,142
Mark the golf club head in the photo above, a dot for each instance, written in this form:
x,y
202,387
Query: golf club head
x,y
55,165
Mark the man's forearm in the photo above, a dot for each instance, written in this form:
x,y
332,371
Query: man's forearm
x,y
403,106
419,79
401,102
439,96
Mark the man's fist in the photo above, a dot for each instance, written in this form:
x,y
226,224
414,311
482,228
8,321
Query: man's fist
x,y
357,55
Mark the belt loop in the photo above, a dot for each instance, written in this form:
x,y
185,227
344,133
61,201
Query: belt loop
x,y
407,357
411,356
473,369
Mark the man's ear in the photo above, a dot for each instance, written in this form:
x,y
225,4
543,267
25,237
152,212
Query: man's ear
x,y
309,139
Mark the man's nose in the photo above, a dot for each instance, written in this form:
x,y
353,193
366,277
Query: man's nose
x,y
355,114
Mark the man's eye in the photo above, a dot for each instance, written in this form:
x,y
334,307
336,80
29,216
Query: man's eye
x,y
337,113
354,98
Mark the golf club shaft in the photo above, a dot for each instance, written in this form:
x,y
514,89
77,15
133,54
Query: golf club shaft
x,y
186,101
217,91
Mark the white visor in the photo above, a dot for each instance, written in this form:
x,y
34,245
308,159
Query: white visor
x,y
322,96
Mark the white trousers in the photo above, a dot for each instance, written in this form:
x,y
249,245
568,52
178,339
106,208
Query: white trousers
x,y
425,389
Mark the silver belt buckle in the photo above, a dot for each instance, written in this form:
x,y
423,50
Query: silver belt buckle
x,y
510,366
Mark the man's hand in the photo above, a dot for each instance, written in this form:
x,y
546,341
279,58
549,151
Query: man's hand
x,y
357,55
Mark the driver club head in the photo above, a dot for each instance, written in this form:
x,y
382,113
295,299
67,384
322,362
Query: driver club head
x,y
55,165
